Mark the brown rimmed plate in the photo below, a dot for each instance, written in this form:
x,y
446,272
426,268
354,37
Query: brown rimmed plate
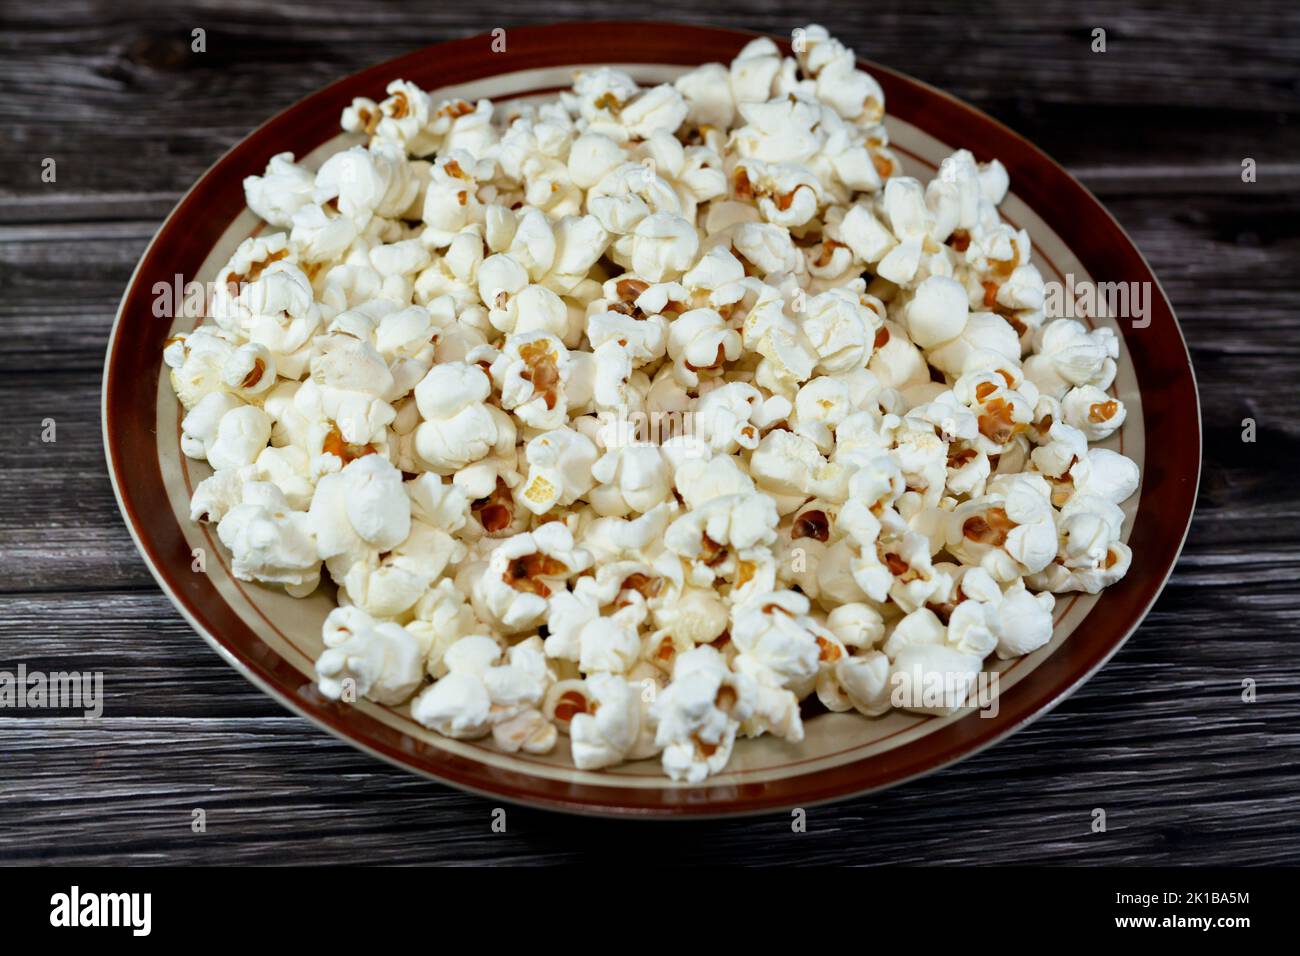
x,y
273,639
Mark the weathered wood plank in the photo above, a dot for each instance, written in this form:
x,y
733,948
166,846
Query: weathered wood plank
x,y
275,789
163,113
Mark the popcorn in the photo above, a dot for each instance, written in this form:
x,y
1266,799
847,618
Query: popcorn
x,y
281,191
701,341
736,521
249,371
984,332
523,571
777,647
389,584
599,644
368,658
896,362
754,71
631,478
603,736
937,312
216,494
353,382
645,414
933,678
1024,621
197,361
560,470
708,96
664,246
853,94
857,626
788,466
270,542
860,682
1067,355
1009,532
479,695
442,617
841,330
241,435
698,715
200,428
360,509
367,182
534,373
1093,412
458,428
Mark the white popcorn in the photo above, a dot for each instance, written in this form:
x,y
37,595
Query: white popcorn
x,y
197,363
367,182
853,94
216,494
442,617
241,435
707,91
1109,475
841,330
864,682
591,157
281,191
536,374
353,383
857,626
560,469
200,428
456,706
1093,412
736,521
368,658
933,678
937,312
270,542
698,715
479,695
701,341
1024,621
522,573
777,646
644,414
865,235
359,509
604,735
1009,532
664,246
405,118
896,362
788,465
754,71
459,428
389,584
984,332
631,478
767,247
249,371
579,633
1068,355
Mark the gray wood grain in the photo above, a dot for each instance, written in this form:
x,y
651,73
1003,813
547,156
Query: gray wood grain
x,y
1187,772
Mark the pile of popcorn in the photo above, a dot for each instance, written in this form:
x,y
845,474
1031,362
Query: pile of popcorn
x,y
427,377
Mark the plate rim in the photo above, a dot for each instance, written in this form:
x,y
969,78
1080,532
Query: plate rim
x,y
687,44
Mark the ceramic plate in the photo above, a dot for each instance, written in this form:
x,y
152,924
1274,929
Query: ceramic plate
x,y
273,639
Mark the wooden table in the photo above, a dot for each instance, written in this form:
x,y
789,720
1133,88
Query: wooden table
x,y
1158,126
